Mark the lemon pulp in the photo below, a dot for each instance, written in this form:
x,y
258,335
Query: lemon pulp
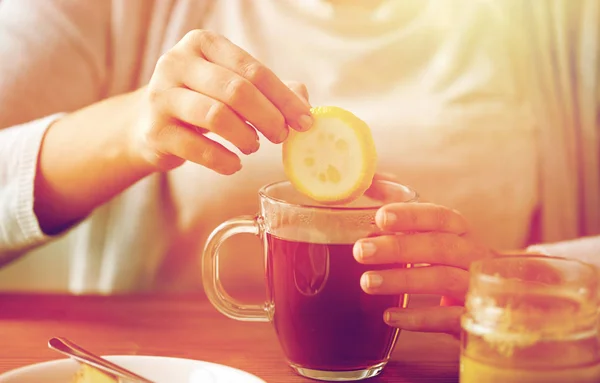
x,y
334,162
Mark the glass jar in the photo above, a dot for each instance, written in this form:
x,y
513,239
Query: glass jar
x,y
531,319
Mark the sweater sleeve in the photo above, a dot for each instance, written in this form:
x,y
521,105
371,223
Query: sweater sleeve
x,y
19,148
585,249
53,62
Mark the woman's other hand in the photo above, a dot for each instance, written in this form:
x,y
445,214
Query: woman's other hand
x,y
206,84
421,233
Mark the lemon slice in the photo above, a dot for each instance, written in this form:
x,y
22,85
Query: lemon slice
x,y
334,162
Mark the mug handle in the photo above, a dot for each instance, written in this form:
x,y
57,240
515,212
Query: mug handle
x,y
211,281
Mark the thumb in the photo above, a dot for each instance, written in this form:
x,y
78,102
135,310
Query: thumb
x,y
298,88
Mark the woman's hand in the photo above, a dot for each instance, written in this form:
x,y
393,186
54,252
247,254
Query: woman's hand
x,y
422,233
206,84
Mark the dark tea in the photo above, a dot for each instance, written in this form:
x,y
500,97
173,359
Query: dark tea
x,y
323,319
328,328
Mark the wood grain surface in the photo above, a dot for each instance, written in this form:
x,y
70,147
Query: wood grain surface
x,y
184,326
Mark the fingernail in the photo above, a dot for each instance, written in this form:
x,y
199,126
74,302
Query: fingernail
x,y
230,170
395,318
371,280
387,317
256,146
364,249
305,122
282,136
238,166
250,150
385,218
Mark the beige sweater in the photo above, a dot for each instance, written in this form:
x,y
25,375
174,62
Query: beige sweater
x,y
445,93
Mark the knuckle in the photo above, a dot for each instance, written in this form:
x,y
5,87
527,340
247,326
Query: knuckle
x,y
195,118
444,246
238,90
442,218
159,134
193,35
190,112
407,217
415,321
217,116
255,72
451,281
200,37
402,281
148,137
168,130
167,62
154,97
202,42
399,246
208,157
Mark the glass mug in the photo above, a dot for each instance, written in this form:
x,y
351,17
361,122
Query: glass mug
x,y
531,319
327,327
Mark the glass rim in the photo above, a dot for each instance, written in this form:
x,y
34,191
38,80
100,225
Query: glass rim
x,y
476,268
263,193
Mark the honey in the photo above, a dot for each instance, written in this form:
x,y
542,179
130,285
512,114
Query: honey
x,y
473,371
531,320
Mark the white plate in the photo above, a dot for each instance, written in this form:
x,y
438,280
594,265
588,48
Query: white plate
x,y
156,368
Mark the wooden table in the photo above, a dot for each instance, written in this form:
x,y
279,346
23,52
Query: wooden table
x,y
184,326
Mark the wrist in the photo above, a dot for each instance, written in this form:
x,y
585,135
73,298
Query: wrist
x,y
85,160
134,152
140,154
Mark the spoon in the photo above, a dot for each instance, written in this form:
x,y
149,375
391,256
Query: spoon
x,y
66,347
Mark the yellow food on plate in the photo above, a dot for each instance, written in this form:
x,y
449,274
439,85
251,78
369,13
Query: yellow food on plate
x,y
89,374
333,162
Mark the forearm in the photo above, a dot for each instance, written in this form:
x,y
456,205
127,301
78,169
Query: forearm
x,y
585,249
85,160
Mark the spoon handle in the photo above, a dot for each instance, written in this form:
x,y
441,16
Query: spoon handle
x,y
74,351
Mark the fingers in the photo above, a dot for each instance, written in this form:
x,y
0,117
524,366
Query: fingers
x,y
207,84
433,248
185,143
299,88
217,49
204,112
380,192
385,177
239,94
428,319
447,301
443,280
411,217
